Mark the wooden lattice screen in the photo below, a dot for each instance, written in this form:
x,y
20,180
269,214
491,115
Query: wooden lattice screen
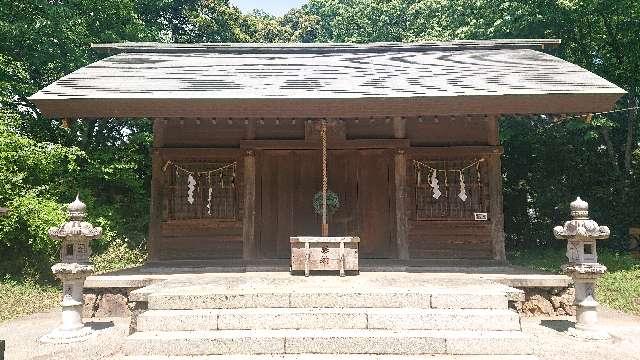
x,y
449,206
223,204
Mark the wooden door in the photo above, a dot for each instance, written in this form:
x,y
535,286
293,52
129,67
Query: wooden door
x,y
287,182
374,203
362,179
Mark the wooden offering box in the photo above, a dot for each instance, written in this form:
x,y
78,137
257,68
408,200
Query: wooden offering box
x,y
324,253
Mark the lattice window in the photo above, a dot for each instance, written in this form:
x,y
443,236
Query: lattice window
x,y
449,204
201,190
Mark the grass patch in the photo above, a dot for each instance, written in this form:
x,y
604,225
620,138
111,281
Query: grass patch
x,y
18,298
618,288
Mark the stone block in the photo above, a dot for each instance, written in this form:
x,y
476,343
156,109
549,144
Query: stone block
x,y
89,305
474,300
178,320
361,300
176,343
285,318
537,304
365,342
217,301
443,319
112,305
562,301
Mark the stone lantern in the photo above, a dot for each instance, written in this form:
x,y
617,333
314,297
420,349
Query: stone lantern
x,y
73,268
581,234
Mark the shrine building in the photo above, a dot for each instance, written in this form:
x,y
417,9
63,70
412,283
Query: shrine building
x,y
413,147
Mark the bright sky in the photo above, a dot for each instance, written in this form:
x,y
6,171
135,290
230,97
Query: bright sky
x,y
275,7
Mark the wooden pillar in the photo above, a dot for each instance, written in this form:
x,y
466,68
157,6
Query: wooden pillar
x,y
400,162
157,181
495,192
248,222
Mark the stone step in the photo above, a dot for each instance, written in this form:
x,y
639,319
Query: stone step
x,y
328,318
357,341
441,299
332,357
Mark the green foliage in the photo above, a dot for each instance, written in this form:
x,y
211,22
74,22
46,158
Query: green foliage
x,y
118,256
620,290
25,297
27,251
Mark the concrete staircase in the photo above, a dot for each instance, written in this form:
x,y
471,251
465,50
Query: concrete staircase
x,y
368,322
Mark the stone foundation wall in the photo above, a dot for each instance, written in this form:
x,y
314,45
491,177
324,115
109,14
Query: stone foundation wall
x,y
546,302
106,302
556,301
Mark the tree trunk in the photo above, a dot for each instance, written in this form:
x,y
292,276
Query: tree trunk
x,y
630,144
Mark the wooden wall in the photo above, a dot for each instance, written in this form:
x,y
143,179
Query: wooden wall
x,y
224,139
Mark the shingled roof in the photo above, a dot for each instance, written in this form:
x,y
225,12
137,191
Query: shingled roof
x,y
212,80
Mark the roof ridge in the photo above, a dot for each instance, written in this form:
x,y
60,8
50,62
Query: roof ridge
x,y
495,44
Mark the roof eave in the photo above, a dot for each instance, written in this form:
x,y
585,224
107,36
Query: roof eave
x,y
347,107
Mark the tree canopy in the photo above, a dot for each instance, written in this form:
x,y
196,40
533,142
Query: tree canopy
x,y
546,162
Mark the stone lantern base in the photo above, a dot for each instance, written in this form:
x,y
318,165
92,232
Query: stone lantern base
x,y
72,328
584,277
66,336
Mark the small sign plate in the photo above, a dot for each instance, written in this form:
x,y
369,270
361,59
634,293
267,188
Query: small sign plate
x,y
481,216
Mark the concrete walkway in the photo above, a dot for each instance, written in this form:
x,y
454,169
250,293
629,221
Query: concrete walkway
x,y
551,343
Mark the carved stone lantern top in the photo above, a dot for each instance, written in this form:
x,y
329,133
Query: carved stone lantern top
x,y
579,209
75,236
77,210
581,228
76,229
581,234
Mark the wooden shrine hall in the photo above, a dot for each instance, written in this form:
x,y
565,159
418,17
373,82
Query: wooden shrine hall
x,y
413,148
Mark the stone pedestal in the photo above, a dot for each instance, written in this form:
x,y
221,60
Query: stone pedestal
x,y
75,236
584,277
581,234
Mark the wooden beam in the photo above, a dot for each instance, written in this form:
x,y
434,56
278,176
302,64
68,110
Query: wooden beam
x,y
189,153
495,192
400,162
249,249
316,145
427,151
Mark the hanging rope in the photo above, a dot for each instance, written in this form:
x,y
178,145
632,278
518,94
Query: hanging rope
x,y
193,177
325,179
418,163
199,173
433,178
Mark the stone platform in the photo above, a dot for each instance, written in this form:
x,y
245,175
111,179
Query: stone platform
x,y
542,293
375,313
510,275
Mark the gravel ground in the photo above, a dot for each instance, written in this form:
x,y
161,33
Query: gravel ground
x,y
550,341
21,337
